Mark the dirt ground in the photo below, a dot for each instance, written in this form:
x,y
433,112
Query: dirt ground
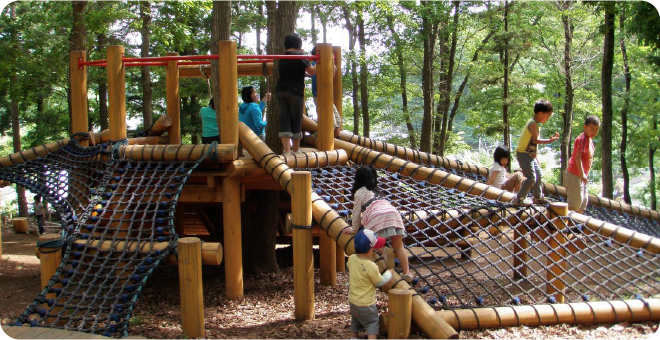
x,y
266,310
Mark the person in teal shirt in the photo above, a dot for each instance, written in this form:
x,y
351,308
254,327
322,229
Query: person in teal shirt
x,y
250,112
210,132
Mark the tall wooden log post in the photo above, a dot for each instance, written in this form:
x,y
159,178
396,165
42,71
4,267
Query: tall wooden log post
x,y
556,252
520,255
328,254
340,253
399,313
190,285
173,100
78,74
226,107
116,93
231,219
337,93
49,259
303,260
324,76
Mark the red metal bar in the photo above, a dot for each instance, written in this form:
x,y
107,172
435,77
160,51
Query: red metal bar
x,y
173,57
278,56
144,64
92,62
255,61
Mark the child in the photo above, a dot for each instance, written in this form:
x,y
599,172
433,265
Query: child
x,y
39,213
290,91
499,178
526,154
209,124
250,112
378,215
579,165
364,277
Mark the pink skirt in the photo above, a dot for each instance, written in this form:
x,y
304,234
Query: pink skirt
x,y
379,215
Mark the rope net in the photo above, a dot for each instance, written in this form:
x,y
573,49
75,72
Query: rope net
x,y
118,225
468,251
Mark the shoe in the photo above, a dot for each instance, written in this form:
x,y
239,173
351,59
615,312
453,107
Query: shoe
x,y
407,276
541,200
520,203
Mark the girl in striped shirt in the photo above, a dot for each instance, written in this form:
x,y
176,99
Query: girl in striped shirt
x,y
378,215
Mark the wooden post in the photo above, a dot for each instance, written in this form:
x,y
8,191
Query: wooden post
x,y
20,225
324,75
50,259
556,252
190,285
173,99
399,313
231,219
337,94
303,260
226,107
116,93
328,254
520,255
78,76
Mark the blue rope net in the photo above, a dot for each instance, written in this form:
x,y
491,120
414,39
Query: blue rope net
x,y
118,225
465,250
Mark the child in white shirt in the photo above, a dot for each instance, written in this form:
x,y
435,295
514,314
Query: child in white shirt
x,y
499,177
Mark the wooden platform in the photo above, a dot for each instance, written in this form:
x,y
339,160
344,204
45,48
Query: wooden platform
x,y
40,333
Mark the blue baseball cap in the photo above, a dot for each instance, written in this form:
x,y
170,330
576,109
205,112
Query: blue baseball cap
x,y
365,239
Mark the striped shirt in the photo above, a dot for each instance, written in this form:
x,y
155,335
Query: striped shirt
x,y
380,214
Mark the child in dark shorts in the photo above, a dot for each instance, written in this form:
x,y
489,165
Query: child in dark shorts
x,y
290,92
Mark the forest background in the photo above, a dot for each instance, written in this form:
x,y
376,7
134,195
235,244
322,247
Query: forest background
x,y
453,78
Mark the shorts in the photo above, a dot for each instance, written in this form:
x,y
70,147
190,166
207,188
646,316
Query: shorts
x,y
209,140
510,183
364,318
290,111
576,192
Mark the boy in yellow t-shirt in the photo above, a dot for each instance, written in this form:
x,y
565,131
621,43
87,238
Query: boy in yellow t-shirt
x,y
364,277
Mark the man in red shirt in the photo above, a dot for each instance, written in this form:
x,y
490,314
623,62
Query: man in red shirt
x,y
579,165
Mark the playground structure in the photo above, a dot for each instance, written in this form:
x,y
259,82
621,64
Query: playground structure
x,y
122,202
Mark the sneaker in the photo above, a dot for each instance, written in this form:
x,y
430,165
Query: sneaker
x,y
407,276
520,202
540,200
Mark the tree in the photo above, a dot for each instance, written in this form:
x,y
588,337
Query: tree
x,y
350,56
429,34
606,86
448,76
567,115
624,109
145,32
364,76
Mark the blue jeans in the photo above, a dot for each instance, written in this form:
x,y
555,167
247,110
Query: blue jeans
x,y
40,223
534,176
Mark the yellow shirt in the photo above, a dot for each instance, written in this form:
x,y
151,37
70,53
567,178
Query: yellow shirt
x,y
364,277
526,136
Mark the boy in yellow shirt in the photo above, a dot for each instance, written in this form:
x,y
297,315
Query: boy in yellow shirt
x,y
364,277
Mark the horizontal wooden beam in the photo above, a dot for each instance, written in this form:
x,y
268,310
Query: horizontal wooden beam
x,y
248,166
552,314
223,153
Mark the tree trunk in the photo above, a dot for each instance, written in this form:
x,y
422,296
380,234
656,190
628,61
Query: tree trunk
x,y
624,110
259,252
427,82
652,184
15,127
442,78
220,30
606,81
262,81
364,76
312,13
449,80
402,76
505,86
101,41
147,111
567,116
77,42
351,48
